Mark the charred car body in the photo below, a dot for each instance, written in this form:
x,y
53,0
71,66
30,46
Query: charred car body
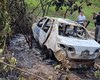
x,y
67,40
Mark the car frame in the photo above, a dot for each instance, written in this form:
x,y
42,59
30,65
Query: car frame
x,y
76,48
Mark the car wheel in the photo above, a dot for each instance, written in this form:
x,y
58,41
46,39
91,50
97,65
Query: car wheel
x,y
44,52
50,54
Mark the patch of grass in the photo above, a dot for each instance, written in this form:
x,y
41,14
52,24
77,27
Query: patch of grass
x,y
31,3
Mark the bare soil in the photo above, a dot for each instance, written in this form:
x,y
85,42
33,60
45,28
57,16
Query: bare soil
x,y
32,61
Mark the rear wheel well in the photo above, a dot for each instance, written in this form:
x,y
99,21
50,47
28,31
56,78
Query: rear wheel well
x,y
51,54
44,46
48,52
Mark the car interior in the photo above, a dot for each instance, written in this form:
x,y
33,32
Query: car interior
x,y
72,31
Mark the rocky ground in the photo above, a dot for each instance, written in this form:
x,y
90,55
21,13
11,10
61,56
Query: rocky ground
x,y
32,61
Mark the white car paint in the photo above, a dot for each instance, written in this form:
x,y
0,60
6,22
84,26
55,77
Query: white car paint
x,y
54,39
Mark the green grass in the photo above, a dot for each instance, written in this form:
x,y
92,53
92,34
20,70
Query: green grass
x,y
88,11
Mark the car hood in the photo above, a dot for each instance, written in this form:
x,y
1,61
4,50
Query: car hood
x,y
79,44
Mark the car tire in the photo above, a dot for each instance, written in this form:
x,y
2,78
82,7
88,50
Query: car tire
x,y
50,54
47,53
44,52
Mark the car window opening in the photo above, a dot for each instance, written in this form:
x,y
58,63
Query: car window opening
x,y
41,22
72,31
47,25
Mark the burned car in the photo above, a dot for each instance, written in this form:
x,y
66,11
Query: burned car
x,y
68,41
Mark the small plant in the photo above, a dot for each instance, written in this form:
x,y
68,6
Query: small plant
x,y
97,74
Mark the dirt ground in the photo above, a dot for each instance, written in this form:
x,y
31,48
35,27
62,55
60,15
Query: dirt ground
x,y
32,61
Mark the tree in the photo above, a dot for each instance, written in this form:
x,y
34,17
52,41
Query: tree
x,y
71,6
14,19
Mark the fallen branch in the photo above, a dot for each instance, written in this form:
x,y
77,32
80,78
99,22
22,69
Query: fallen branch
x,y
22,70
97,65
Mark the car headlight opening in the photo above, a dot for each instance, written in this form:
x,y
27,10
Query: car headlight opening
x,y
71,50
68,49
85,53
97,52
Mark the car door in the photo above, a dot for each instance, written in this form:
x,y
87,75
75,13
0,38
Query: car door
x,y
38,27
45,31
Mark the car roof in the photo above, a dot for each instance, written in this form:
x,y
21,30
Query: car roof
x,y
66,21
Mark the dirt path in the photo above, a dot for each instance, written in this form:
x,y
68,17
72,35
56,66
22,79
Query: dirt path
x,y
32,61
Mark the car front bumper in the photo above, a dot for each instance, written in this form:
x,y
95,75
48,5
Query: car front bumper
x,y
82,57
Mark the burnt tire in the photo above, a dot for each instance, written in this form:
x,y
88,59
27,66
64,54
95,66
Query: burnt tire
x,y
51,55
43,50
48,53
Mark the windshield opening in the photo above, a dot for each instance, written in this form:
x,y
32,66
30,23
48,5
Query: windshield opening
x,y
72,31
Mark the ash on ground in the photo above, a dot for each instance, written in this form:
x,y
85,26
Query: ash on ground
x,y
31,60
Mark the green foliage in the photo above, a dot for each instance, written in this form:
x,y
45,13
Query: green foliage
x,y
21,78
6,21
12,12
12,61
2,59
97,74
32,3
5,31
1,51
88,10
